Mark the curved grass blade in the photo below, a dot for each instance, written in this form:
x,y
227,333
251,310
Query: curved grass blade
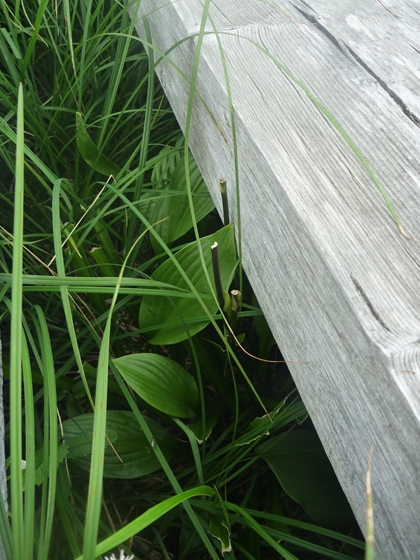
x,y
250,521
145,139
335,123
147,518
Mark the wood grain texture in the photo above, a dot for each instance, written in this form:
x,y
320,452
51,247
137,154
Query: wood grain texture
x,y
337,281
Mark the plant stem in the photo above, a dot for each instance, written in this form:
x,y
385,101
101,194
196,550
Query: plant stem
x,y
216,274
225,201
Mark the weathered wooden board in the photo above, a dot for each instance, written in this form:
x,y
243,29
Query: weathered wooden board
x,y
337,281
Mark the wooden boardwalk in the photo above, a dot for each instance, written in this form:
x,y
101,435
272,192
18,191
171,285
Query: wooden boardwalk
x,y
337,280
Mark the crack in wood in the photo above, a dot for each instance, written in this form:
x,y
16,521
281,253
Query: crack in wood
x,y
388,10
368,302
343,48
324,30
386,88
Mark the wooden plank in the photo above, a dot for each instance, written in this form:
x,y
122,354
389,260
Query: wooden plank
x,y
335,278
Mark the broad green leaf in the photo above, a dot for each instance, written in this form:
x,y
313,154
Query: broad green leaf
x,y
161,382
127,439
90,153
81,445
168,319
301,466
174,206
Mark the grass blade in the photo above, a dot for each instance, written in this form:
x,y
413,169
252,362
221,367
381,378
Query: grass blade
x,y
29,453
145,137
94,501
147,518
16,335
5,532
165,466
63,288
250,521
50,437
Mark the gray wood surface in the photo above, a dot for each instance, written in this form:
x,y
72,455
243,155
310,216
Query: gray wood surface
x,y
337,281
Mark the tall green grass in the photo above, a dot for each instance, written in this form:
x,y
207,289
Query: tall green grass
x,y
142,423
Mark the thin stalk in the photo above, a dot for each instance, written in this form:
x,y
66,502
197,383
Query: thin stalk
x,y
238,237
144,140
192,93
123,45
82,55
235,307
335,123
216,274
225,201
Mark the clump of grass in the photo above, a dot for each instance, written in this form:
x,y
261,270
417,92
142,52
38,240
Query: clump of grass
x,y
141,422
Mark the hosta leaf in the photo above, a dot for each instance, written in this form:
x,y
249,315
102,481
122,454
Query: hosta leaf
x,y
301,466
161,382
166,318
90,153
81,445
174,206
127,439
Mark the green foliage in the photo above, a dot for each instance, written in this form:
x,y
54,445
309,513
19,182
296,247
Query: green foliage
x,y
168,322
90,153
161,382
303,470
171,212
116,334
128,452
